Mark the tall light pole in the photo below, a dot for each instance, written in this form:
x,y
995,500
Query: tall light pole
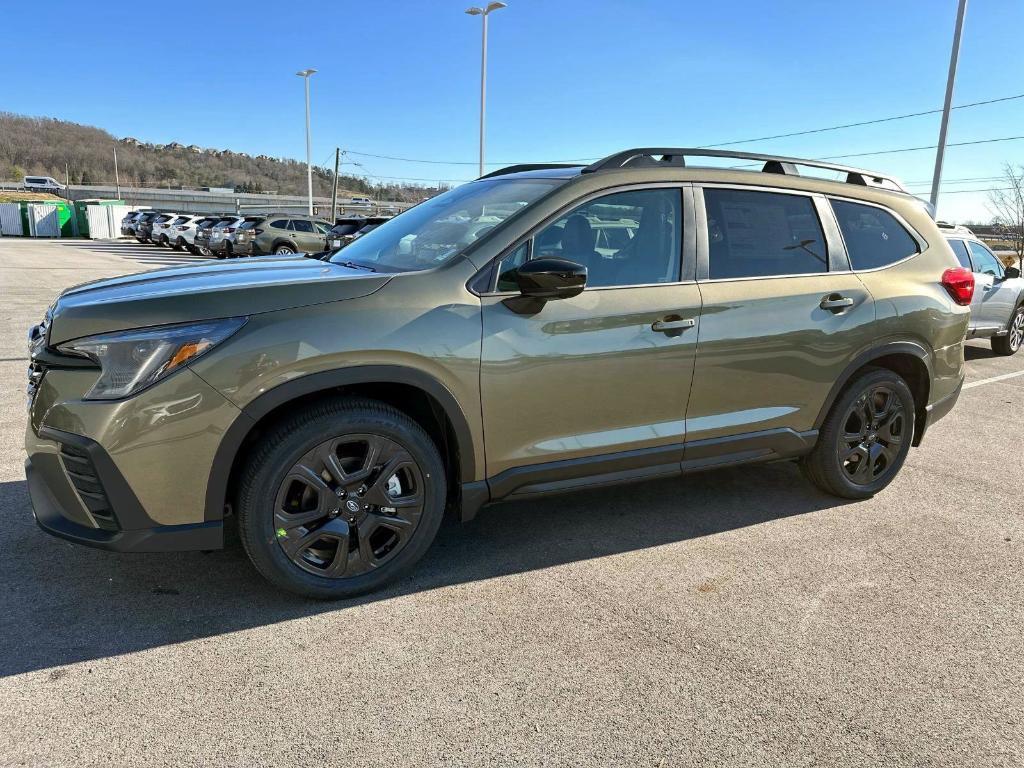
x,y
950,80
483,13
305,75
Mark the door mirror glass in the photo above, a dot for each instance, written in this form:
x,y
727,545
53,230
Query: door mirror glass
x,y
543,280
1011,273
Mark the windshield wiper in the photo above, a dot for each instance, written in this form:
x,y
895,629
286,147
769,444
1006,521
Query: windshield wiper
x,y
353,265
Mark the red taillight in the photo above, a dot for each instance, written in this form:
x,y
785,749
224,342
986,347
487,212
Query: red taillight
x,y
181,229
230,230
959,282
258,231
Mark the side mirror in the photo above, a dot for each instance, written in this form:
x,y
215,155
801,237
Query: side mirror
x,y
544,280
1011,273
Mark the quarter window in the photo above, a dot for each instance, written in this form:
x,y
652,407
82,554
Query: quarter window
x,y
626,238
762,234
985,261
873,237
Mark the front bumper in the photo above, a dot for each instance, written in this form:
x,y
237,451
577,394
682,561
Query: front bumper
x,y
126,475
53,506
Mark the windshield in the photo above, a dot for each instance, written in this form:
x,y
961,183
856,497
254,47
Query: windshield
x,y
434,231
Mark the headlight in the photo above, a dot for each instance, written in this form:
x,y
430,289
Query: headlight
x,y
132,360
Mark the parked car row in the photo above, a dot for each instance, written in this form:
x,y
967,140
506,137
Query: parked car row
x,y
232,235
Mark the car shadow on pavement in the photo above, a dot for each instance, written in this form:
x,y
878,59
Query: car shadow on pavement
x,y
64,603
972,352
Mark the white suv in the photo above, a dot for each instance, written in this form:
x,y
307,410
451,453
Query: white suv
x,y
181,234
161,228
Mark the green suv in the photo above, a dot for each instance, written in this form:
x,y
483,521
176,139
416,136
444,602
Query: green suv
x,y
542,329
280,234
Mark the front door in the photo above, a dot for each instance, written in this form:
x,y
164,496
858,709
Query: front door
x,y
598,382
782,317
995,299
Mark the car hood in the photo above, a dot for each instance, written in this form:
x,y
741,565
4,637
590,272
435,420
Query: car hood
x,y
204,292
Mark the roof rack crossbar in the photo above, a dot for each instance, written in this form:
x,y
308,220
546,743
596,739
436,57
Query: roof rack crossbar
x,y
527,167
676,157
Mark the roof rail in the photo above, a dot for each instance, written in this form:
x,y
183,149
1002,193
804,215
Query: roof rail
x,y
676,157
527,167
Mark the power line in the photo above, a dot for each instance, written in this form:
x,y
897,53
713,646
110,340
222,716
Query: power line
x,y
862,123
916,149
712,146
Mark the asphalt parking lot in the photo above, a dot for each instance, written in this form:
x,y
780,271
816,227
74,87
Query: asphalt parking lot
x,y
738,617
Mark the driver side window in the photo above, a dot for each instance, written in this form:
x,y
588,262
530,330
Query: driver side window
x,y
984,260
623,239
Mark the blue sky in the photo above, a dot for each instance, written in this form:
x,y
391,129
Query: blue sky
x,y
567,79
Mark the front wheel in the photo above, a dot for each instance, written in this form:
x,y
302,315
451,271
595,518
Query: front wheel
x,y
341,499
865,438
1014,338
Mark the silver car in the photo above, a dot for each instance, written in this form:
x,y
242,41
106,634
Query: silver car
x,y
997,309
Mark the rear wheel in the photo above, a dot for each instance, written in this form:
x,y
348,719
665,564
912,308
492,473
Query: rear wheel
x,y
1012,341
865,438
283,249
179,244
341,499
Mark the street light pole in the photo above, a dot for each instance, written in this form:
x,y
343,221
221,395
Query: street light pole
x,y
305,74
484,13
950,80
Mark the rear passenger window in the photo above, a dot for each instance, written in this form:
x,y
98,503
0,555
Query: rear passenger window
x,y
873,237
279,224
301,225
960,251
762,234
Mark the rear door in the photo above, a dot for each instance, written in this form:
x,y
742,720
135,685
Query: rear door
x,y
782,317
306,235
995,298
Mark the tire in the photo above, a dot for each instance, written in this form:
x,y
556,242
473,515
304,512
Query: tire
x,y
192,249
283,250
179,244
142,240
1014,339
160,241
289,524
857,455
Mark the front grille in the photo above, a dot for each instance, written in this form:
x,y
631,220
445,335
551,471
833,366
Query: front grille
x,y
84,478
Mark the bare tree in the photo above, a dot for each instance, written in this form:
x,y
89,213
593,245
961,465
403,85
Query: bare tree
x,y
1007,206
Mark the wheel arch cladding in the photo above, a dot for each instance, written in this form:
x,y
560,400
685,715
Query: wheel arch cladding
x,y
426,400
908,359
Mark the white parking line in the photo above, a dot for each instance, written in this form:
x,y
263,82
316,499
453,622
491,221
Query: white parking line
x,y
993,378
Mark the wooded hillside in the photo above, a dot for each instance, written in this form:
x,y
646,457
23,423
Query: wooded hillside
x,y
41,146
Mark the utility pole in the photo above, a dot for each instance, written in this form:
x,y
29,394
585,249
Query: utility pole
x,y
67,181
950,80
117,177
334,194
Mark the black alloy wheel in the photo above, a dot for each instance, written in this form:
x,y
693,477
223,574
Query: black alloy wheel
x,y
865,437
341,498
349,505
873,433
